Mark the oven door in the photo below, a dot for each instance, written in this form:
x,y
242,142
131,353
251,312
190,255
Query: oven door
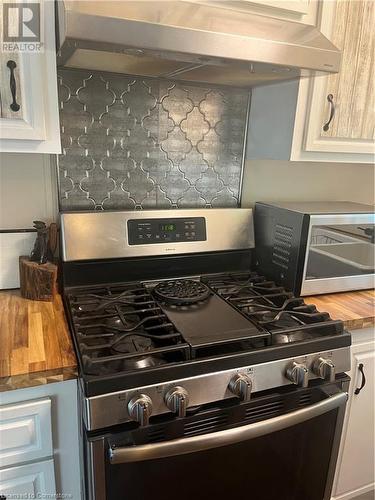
x,y
276,447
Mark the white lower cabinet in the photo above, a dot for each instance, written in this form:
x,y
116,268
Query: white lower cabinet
x,y
356,466
36,480
39,442
25,432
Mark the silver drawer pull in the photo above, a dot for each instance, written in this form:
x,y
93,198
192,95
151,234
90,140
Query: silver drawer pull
x,y
224,438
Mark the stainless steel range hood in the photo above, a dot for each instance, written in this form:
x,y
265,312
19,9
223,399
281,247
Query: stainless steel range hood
x,y
191,42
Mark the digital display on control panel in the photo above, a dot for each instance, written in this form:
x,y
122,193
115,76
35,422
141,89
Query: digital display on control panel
x,y
151,231
167,227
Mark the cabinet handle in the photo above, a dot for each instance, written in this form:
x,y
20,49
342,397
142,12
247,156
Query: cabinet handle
x,y
332,113
13,86
363,383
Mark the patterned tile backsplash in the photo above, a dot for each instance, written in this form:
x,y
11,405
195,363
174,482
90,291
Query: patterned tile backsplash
x,y
132,143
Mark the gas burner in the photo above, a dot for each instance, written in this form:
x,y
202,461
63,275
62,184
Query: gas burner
x,y
133,343
181,291
137,344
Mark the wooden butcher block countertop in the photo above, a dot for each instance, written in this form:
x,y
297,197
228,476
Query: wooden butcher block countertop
x,y
35,343
356,309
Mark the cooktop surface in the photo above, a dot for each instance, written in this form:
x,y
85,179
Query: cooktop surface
x,y
129,331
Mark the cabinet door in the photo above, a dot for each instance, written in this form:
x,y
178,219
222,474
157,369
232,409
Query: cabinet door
x,y
356,461
28,92
352,89
337,110
25,432
35,480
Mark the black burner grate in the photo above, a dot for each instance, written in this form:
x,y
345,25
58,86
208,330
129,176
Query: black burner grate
x,y
288,318
122,328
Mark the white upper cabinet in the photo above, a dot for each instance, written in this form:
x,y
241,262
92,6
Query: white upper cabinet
x,y
29,119
327,118
344,126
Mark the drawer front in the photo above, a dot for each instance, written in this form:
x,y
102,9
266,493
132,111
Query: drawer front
x,y
35,480
25,432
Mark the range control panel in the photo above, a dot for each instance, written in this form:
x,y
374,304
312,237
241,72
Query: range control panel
x,y
151,231
177,396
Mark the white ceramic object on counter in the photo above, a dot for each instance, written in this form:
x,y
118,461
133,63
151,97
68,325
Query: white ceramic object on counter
x,y
12,245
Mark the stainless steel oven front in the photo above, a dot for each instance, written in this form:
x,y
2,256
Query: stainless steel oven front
x,y
282,444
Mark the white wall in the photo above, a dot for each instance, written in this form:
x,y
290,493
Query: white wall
x,y
270,180
27,190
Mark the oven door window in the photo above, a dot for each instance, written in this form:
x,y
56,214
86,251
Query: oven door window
x,y
292,463
341,250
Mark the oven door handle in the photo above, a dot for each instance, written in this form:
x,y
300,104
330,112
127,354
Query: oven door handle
x,y
128,454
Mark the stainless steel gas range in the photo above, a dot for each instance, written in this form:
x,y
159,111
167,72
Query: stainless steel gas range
x,y
199,377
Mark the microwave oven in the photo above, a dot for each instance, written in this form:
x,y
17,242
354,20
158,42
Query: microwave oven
x,y
316,247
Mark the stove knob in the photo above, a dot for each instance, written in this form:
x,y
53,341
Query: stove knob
x,y
177,400
241,386
298,374
324,368
140,409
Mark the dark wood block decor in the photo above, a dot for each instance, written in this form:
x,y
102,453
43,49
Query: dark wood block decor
x,y
37,281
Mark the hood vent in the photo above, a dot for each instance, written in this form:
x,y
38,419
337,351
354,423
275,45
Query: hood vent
x,y
190,42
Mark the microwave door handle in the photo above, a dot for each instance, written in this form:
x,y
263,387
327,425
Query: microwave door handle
x,y
226,437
